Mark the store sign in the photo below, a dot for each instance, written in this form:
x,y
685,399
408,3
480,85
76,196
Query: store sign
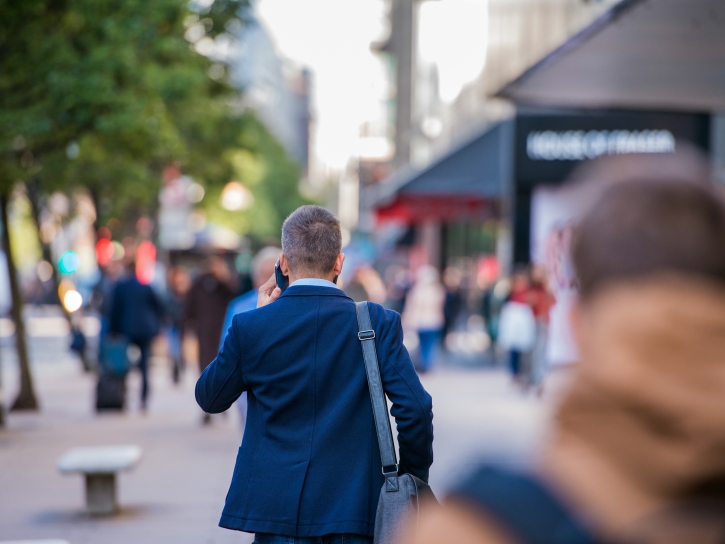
x,y
548,147
577,145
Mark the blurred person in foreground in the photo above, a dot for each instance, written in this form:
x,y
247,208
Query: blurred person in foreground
x,y
309,468
205,307
262,269
136,313
637,454
423,313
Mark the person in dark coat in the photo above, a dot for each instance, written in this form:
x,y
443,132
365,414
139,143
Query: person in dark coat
x,y
205,307
136,313
309,465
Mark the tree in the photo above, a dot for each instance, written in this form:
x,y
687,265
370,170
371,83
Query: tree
x,y
103,93
262,164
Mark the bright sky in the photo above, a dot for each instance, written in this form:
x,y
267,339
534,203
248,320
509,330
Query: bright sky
x,y
333,37
453,35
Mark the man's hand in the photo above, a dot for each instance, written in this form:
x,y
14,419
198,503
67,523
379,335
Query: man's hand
x,y
269,292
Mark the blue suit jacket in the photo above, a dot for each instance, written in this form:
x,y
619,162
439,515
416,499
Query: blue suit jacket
x,y
309,464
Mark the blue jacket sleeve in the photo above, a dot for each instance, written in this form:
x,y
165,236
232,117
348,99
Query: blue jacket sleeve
x,y
412,406
222,382
226,328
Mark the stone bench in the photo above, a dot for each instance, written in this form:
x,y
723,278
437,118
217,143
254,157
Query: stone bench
x,y
100,465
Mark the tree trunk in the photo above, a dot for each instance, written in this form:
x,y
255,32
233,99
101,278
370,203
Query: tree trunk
x,y
96,198
33,189
26,399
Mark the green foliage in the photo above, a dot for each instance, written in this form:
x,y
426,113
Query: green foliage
x,y
263,166
105,93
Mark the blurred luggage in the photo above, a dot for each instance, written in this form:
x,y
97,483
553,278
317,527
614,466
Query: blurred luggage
x,y
110,391
114,354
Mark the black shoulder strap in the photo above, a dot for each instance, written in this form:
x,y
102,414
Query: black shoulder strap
x,y
377,397
526,507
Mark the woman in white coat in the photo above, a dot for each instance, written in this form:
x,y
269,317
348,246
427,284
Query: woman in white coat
x,y
423,312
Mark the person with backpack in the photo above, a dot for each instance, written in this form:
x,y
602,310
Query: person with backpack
x,y
309,466
637,453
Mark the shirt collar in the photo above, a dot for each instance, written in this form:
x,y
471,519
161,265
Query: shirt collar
x,y
316,282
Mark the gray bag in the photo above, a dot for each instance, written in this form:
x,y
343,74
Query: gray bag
x,y
398,504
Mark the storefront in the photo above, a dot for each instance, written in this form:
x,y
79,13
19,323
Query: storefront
x,y
509,173
548,147
453,206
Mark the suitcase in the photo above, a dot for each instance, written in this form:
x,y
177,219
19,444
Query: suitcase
x,y
110,391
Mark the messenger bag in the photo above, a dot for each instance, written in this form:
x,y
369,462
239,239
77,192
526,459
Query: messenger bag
x,y
399,502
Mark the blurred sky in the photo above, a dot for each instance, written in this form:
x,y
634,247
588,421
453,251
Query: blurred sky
x,y
333,37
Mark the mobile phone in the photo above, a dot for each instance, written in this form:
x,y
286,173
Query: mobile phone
x,y
281,280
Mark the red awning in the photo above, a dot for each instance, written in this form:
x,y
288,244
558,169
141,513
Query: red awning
x,y
412,208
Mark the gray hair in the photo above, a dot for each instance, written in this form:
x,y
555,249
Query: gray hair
x,y
263,255
311,240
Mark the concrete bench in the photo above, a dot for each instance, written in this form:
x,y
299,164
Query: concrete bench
x,y
100,465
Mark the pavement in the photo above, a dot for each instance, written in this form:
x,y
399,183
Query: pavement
x,y
177,492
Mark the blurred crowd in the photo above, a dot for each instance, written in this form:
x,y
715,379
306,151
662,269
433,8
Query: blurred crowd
x,y
490,319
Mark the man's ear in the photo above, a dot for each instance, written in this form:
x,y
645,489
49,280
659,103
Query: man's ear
x,y
338,264
284,265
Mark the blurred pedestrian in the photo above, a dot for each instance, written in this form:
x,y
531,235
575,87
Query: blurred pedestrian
x,y
454,300
136,313
517,326
355,288
397,280
423,313
262,269
178,285
309,469
541,301
205,307
638,451
494,297
102,295
366,284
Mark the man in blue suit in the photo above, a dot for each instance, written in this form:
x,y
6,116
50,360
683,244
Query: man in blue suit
x,y
309,465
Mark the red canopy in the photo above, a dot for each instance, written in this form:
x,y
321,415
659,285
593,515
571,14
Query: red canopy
x,y
412,208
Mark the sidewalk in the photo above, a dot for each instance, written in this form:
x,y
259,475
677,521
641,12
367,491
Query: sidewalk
x,y
175,495
177,492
